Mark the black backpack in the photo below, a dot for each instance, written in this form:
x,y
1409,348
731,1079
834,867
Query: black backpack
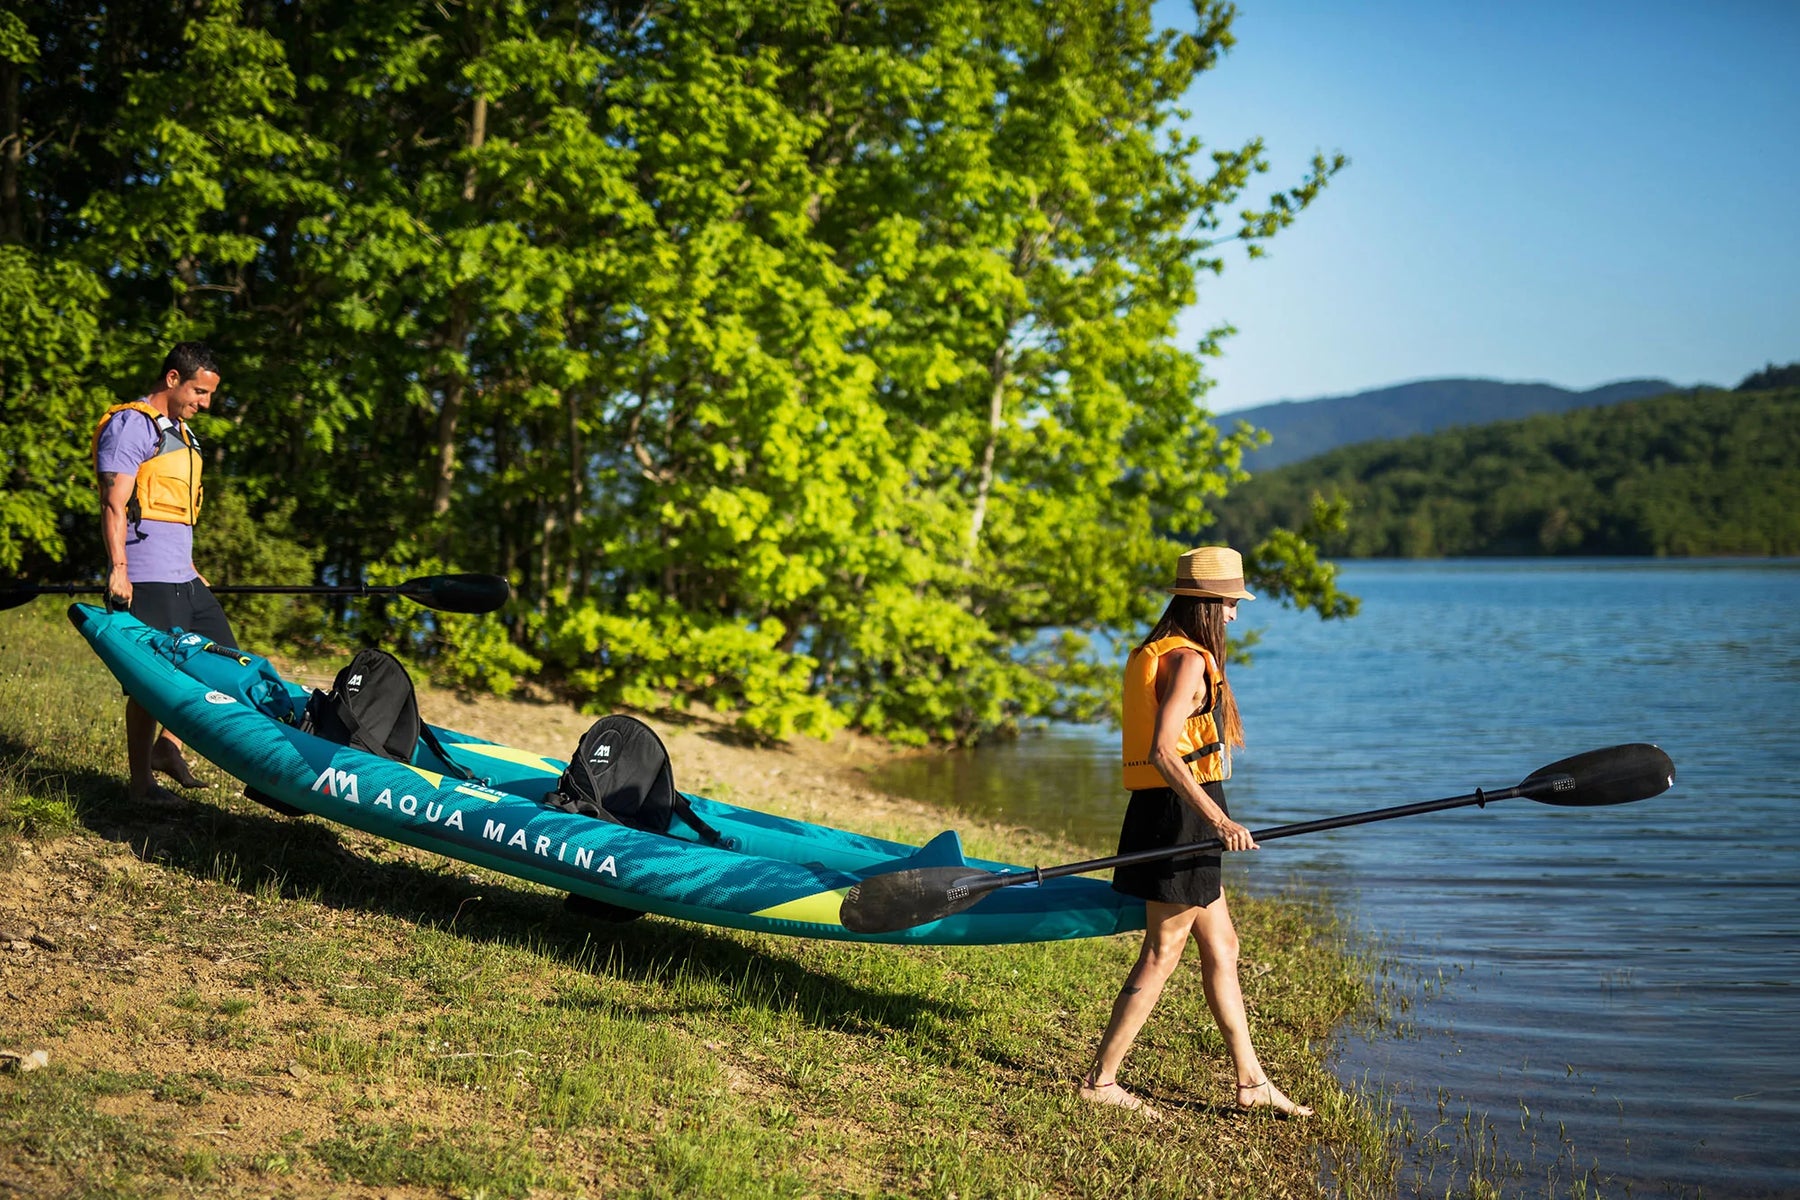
x,y
372,706
621,773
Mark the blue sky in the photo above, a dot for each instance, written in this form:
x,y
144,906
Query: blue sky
x,y
1572,192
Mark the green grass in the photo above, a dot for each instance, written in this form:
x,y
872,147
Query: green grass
x,y
313,1010
62,726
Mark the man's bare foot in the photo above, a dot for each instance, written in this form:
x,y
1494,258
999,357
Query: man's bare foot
x,y
1111,1093
166,758
154,797
1267,1095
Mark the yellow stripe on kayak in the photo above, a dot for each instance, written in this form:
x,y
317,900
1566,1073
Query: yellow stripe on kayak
x,y
820,908
520,758
437,781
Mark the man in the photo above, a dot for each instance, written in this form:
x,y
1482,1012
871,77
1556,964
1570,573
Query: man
x,y
148,464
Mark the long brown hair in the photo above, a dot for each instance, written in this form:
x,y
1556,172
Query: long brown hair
x,y
1202,619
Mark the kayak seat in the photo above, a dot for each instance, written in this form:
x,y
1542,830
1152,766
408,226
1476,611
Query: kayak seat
x,y
620,772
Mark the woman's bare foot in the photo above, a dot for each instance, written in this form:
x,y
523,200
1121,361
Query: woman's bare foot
x,y
1267,1095
1111,1093
166,758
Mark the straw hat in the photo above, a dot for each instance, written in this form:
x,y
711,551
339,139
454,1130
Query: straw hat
x,y
1215,571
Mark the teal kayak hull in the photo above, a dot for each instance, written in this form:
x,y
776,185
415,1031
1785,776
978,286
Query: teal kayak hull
x,y
772,874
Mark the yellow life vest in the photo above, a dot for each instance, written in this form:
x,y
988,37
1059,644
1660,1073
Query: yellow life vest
x,y
168,483
1202,746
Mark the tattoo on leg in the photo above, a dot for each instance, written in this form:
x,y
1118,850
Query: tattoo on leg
x,y
1128,990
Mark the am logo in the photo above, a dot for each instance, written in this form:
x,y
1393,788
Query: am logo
x,y
600,758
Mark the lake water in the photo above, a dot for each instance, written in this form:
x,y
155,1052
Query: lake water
x,y
1619,993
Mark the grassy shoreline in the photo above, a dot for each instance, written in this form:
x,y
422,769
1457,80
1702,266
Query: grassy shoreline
x,y
236,1003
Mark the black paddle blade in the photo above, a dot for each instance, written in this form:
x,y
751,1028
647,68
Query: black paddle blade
x,y
14,597
1615,775
458,593
903,899
25,593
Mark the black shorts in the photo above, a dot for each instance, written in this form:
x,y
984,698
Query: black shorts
x,y
1155,819
189,606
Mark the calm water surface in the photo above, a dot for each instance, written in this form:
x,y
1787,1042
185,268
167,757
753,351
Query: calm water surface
x,y
1620,983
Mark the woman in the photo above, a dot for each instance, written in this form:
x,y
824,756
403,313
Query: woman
x,y
1180,724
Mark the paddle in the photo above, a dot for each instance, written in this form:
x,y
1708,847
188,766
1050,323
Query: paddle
x,y
445,593
903,899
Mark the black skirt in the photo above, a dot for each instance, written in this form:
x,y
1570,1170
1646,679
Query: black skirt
x,y
1156,818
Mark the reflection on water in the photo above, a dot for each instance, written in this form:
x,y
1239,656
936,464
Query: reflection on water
x,y
1626,974
1060,779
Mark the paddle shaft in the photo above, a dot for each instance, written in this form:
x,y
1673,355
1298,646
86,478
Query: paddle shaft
x,y
447,593
246,589
990,882
290,589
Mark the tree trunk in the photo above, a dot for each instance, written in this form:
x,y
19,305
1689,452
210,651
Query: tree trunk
x,y
12,156
544,557
1024,260
444,472
576,516
998,372
507,516
456,336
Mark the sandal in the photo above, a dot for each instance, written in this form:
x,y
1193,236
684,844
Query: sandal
x,y
1272,1098
1113,1093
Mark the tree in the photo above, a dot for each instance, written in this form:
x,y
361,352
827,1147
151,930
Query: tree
x,y
813,360
47,401
1771,377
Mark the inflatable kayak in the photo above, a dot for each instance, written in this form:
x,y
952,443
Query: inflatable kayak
x,y
767,873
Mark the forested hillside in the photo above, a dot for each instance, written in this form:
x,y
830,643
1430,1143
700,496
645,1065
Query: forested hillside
x,y
1695,473
806,359
1301,429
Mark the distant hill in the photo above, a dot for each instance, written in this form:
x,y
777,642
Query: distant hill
x,y
1689,473
1303,428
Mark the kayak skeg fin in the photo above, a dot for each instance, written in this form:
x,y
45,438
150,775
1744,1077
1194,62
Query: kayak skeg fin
x,y
944,850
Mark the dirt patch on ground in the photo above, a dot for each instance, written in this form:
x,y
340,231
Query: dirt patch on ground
x,y
156,1024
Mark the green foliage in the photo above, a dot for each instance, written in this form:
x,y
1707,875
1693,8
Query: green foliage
x,y
17,46
1287,566
474,652
233,546
810,361
37,816
656,654
1703,473
1771,377
48,406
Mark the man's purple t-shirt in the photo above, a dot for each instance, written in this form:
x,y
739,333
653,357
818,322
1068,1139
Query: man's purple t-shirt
x,y
155,551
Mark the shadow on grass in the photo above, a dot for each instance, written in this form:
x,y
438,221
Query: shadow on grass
x,y
25,767
307,859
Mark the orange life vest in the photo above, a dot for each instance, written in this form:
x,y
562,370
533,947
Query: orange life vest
x,y
168,483
1202,746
